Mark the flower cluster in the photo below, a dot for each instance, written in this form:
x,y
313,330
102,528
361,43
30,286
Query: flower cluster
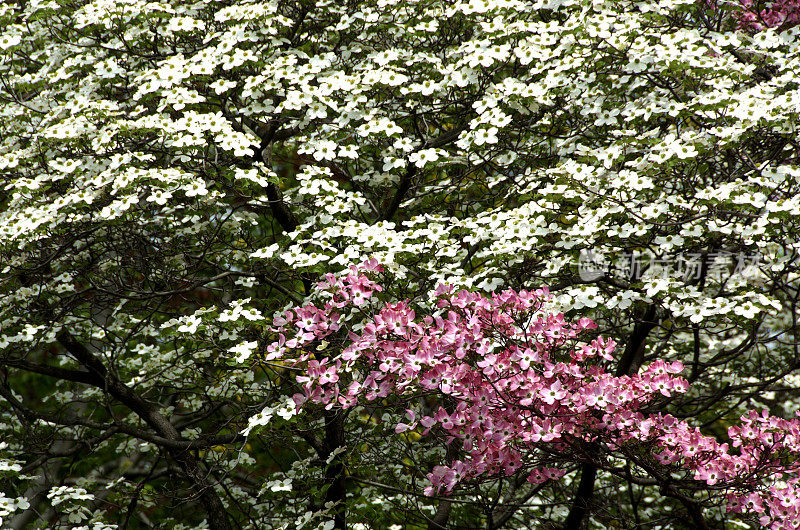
x,y
524,387
778,14
168,161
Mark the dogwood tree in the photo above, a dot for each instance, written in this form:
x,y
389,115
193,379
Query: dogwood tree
x,y
523,395
176,175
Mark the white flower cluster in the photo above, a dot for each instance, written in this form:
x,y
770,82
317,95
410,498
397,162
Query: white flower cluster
x,y
286,410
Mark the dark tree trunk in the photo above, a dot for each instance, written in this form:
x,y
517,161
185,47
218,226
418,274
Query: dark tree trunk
x,y
335,472
632,358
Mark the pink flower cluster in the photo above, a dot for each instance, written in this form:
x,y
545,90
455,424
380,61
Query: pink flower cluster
x,y
779,14
527,395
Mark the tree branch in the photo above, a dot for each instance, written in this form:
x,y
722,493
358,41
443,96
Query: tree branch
x,y
411,171
217,514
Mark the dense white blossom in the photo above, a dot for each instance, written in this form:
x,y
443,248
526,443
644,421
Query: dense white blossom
x,y
173,173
